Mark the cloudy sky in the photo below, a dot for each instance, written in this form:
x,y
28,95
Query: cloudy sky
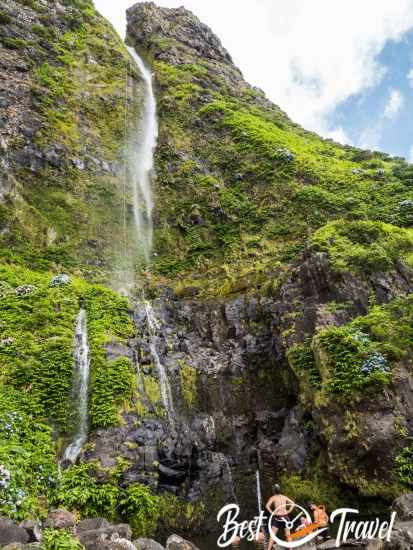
x,y
343,68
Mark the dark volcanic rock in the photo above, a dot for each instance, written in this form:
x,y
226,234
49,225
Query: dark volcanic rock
x,y
189,40
10,532
404,507
105,537
91,525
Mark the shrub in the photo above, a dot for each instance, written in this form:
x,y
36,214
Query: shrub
x,y
301,360
404,465
59,539
79,490
28,471
317,490
365,246
349,364
140,507
113,384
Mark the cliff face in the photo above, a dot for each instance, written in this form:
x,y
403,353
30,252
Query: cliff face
x,y
251,206
278,335
63,99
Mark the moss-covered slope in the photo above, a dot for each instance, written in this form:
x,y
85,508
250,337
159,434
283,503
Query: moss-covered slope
x,y
241,188
67,84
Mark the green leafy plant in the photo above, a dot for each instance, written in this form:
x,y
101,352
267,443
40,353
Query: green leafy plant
x,y
79,490
140,507
59,539
404,465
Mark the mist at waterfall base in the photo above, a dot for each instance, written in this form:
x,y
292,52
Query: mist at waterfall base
x,y
80,388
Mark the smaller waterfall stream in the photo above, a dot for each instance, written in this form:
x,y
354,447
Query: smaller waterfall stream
x,y
80,387
259,495
166,393
226,468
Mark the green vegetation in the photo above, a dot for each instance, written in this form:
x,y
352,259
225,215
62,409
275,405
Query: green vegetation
x,y
364,246
316,490
356,360
301,360
78,88
4,18
79,490
112,386
137,504
36,363
59,539
343,359
140,506
189,377
268,189
404,465
28,471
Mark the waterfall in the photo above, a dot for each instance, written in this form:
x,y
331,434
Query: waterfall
x,y
166,393
141,168
259,495
141,163
227,468
80,387
262,540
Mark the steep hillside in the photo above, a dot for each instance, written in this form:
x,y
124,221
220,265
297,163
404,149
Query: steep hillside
x,y
242,189
64,78
250,203
272,329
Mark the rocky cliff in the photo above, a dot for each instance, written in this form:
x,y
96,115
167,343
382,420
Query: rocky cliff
x,y
314,237
67,80
276,332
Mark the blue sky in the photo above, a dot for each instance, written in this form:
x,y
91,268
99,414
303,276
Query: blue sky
x,y
339,68
364,117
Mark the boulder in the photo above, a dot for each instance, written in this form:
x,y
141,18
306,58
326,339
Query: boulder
x,y
99,539
175,542
401,538
147,544
91,525
33,530
403,506
10,532
60,519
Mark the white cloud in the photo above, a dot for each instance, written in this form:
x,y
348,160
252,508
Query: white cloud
x,y
394,104
410,77
411,155
370,137
338,134
307,56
